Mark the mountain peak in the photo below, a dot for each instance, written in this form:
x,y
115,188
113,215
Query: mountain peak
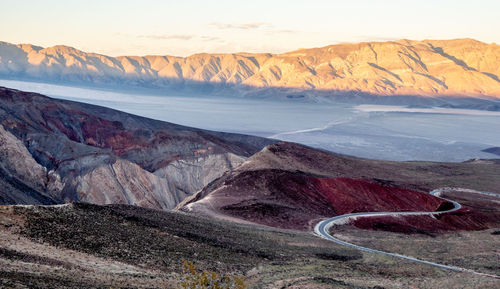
x,y
63,49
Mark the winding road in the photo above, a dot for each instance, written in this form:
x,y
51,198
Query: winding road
x,y
323,227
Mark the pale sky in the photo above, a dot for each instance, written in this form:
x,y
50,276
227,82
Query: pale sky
x,y
185,27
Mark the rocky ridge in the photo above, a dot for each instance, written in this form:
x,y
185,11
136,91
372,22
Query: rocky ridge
x,y
459,67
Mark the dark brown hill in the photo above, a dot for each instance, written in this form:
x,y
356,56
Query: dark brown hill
x,y
293,186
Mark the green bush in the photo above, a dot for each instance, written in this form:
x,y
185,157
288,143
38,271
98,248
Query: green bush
x,y
193,279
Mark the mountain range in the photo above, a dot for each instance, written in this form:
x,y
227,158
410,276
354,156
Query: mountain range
x,y
459,68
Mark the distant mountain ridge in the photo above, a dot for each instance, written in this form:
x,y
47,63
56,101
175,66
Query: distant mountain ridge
x,y
460,67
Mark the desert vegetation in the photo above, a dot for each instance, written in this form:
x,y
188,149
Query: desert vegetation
x,y
191,278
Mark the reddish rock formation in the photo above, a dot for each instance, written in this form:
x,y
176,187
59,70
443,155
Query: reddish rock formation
x,y
292,186
99,155
292,200
479,212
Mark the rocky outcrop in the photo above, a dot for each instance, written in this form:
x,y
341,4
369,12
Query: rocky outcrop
x,y
464,67
190,175
62,151
123,182
17,161
22,179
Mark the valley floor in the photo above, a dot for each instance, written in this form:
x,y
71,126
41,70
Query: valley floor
x,y
389,132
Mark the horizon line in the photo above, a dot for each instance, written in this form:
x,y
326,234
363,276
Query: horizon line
x,y
244,52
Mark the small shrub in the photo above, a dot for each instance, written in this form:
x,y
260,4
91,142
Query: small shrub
x,y
194,279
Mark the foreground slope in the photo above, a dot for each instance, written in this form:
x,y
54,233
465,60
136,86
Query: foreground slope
x,y
460,67
54,151
292,186
131,247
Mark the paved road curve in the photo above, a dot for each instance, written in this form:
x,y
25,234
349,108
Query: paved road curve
x,y
323,227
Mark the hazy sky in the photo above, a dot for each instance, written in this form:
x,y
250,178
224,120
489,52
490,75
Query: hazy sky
x,y
185,27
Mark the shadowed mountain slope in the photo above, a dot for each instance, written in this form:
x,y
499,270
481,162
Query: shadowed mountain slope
x,y
493,150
